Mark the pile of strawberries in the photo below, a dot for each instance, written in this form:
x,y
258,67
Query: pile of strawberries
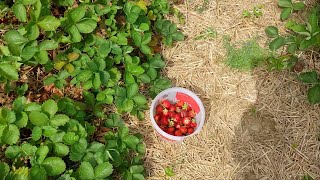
x,y
176,119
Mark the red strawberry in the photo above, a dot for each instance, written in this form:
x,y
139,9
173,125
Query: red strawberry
x,y
170,130
166,104
178,109
193,124
178,133
159,109
176,118
179,104
172,108
157,117
171,114
192,113
190,130
164,121
184,130
165,112
178,126
186,121
184,113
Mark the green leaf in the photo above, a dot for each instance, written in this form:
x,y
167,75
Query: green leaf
x,y
277,43
12,152
134,69
96,147
144,78
59,120
41,153
114,121
298,6
136,169
14,37
313,23
75,34
140,99
132,90
60,149
137,177
28,52
292,48
84,76
50,107
286,12
123,132
103,170
178,36
54,166
77,14
89,98
32,32
11,134
48,45
27,149
131,141
7,116
308,43
86,25
86,171
49,23
8,71
285,3
22,120
141,148
272,31
70,138
38,173
314,94
36,133
20,12
4,170
42,57
4,50
38,118
309,77
127,105
57,137
96,82
32,107
145,49
36,10
49,131
27,2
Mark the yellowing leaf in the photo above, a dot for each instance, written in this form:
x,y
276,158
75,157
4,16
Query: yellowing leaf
x,y
73,56
69,67
142,4
59,64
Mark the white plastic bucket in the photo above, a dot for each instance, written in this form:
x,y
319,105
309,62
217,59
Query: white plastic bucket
x,y
173,95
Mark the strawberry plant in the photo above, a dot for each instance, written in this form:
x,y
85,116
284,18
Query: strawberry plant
x,y
288,7
109,50
53,136
302,37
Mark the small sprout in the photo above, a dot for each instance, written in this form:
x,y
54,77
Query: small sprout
x,y
203,7
256,12
209,33
169,171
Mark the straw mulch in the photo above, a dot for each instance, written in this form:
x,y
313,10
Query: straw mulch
x,y
258,124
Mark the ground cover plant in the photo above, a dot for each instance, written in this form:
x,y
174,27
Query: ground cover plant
x,y
283,50
108,51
